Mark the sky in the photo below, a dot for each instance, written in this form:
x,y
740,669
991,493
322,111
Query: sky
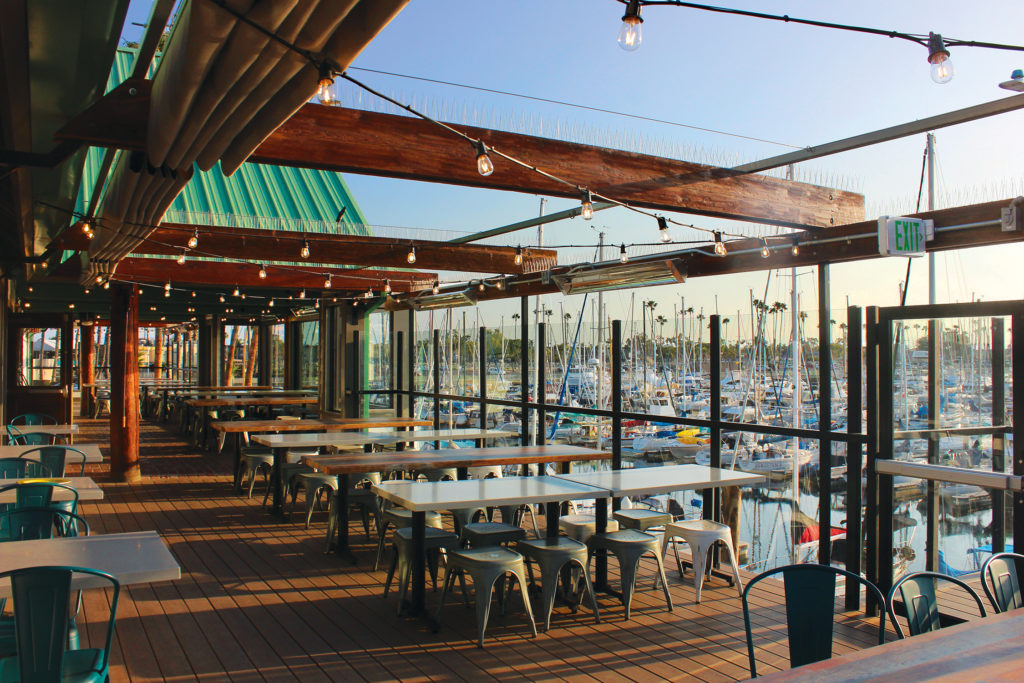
x,y
774,81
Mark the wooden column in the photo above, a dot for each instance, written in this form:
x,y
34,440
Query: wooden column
x,y
86,370
158,354
124,383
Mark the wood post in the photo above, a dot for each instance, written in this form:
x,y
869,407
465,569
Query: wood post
x,y
250,356
86,370
124,383
157,359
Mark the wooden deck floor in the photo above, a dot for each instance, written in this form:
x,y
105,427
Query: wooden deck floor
x,y
259,600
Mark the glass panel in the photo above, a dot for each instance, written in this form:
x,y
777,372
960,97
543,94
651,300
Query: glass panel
x,y
40,357
378,367
309,355
277,356
240,366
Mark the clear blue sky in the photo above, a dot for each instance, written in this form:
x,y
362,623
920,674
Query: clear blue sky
x,y
793,84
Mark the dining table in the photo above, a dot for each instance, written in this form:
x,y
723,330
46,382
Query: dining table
x,y
133,557
204,405
91,450
85,486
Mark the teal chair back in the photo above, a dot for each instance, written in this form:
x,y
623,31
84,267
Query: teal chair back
x,y
20,438
54,459
918,594
1000,579
40,495
14,468
42,596
29,524
34,419
810,591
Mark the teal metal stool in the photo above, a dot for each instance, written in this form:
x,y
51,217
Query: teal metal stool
x,y
486,566
434,541
551,556
629,546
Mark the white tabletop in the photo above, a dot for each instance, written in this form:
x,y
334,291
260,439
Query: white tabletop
x,y
137,557
86,487
388,437
445,495
53,430
91,450
655,480
449,435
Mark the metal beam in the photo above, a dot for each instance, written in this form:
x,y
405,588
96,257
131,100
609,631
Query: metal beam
x,y
529,223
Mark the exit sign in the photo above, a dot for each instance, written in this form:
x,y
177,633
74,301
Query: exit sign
x,y
903,236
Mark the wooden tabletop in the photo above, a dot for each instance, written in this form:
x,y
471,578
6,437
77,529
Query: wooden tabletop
x,y
452,457
304,440
445,495
86,487
136,557
333,425
989,649
91,450
242,401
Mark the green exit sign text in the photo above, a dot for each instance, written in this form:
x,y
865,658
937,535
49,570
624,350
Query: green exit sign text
x,y
898,236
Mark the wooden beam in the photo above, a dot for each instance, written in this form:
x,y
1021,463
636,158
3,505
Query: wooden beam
x,y
355,250
124,383
354,141
219,273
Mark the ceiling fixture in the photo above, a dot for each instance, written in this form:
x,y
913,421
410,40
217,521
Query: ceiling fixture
x,y
193,241
263,272
623,256
327,281
765,251
193,294
518,260
587,206
446,300
938,57
484,165
663,229
436,288
719,244
411,256
387,286
99,279
636,274
630,35
304,252
325,80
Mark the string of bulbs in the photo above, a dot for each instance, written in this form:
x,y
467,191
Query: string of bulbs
x,y
631,34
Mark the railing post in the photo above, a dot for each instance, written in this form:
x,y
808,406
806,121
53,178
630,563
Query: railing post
x,y
854,457
871,431
711,497
998,440
1017,363
616,394
482,351
399,362
542,381
437,383
824,418
885,446
931,542
524,371
412,363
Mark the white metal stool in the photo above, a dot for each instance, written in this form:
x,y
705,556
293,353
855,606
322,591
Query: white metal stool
x,y
701,535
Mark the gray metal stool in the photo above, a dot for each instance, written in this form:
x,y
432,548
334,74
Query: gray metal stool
x,y
510,515
253,461
490,534
434,540
640,519
313,484
486,566
399,518
629,546
581,527
551,555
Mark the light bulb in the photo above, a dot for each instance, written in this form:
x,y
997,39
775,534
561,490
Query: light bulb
x,y
623,256
271,304
327,281
484,165
221,298
181,258
243,296
304,252
482,286
387,286
630,35
795,249
236,292
316,304
587,206
167,293
501,283
719,244
302,294
368,294
193,241
193,294
411,256
263,273
765,251
167,287
437,287
663,229
324,84
99,279
106,285
938,57
519,256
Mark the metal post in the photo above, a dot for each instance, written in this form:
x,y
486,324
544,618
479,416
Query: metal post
x,y
824,417
437,382
931,542
1017,363
483,381
616,397
712,497
871,431
412,363
542,380
998,440
885,443
399,372
524,371
854,456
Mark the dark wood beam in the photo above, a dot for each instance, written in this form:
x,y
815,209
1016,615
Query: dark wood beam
x,y
224,274
354,250
354,141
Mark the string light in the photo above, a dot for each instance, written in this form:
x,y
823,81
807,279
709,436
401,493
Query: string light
x,y
518,260
623,256
411,256
106,285
316,303
271,304
221,298
193,294
938,57
327,281
484,165
236,292
368,294
181,258
630,34
719,244
765,251
500,284
167,293
482,286
193,241
304,252
324,82
302,293
387,286
663,229
437,287
263,272
99,279
167,287
87,229
587,206
795,249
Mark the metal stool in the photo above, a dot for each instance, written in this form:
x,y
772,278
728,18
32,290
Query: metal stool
x,y
253,461
629,546
640,519
701,535
399,518
510,515
552,555
434,540
486,566
490,534
581,527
